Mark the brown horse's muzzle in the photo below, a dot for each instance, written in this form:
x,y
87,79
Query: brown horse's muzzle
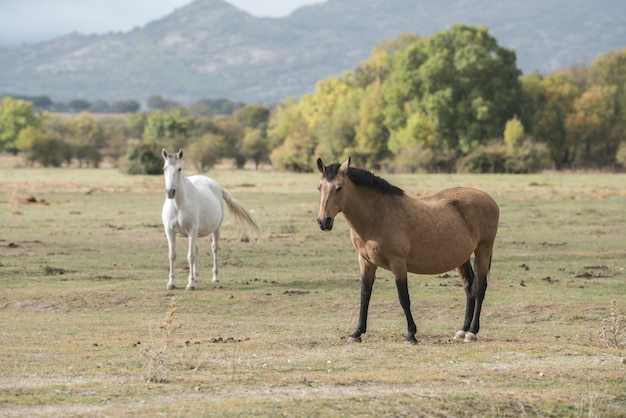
x,y
325,224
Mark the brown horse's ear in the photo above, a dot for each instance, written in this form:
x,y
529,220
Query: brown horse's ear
x,y
346,165
180,154
320,166
164,153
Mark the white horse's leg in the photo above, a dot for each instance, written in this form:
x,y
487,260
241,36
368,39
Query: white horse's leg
x,y
171,253
192,257
214,249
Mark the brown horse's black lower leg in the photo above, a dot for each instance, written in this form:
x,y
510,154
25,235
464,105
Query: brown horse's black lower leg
x,y
405,302
467,275
475,289
366,293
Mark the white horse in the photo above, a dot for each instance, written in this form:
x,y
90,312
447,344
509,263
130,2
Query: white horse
x,y
193,208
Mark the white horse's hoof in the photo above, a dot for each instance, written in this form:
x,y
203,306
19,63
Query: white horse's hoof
x,y
460,335
170,287
190,287
215,280
470,337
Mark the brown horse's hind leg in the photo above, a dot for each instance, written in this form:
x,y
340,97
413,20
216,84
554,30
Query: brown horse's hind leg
x,y
475,286
467,276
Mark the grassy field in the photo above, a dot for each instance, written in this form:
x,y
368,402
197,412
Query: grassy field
x,y
87,327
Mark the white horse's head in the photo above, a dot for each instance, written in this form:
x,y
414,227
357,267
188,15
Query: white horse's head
x,y
172,171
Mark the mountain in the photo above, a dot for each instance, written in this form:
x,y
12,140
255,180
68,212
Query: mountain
x,y
210,49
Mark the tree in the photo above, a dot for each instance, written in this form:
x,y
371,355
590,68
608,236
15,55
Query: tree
x,y
590,128
462,80
371,134
157,102
255,147
206,151
513,133
85,130
15,115
555,102
125,106
166,128
296,153
251,116
78,105
49,149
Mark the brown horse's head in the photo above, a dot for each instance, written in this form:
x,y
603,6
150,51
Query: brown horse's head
x,y
333,195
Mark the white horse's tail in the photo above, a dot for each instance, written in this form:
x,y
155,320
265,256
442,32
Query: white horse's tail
x,y
240,213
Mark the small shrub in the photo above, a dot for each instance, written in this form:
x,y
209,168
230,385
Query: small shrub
x,y
157,357
613,329
144,159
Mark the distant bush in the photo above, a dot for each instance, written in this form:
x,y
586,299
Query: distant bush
x,y
50,150
529,157
144,159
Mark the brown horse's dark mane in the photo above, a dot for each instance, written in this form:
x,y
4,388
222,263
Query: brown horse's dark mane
x,y
364,178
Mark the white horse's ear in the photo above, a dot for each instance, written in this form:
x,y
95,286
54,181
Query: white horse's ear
x,y
180,154
164,153
320,166
346,165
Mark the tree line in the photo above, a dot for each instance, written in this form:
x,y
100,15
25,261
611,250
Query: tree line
x,y
451,102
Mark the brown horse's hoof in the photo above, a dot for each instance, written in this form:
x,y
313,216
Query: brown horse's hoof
x,y
352,339
410,340
459,336
470,337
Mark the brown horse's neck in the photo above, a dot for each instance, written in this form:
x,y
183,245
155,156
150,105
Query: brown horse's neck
x,y
366,209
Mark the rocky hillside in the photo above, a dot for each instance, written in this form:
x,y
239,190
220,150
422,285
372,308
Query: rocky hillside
x,y
210,49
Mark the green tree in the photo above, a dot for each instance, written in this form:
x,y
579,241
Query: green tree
x,y
555,102
590,128
206,151
371,134
283,120
157,102
462,80
125,106
166,128
251,116
513,133
84,129
15,115
233,134
296,152
49,149
255,147
419,130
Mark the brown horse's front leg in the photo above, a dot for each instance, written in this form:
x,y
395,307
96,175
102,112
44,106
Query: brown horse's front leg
x,y
405,302
368,274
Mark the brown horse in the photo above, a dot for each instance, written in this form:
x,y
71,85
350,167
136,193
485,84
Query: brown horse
x,y
428,235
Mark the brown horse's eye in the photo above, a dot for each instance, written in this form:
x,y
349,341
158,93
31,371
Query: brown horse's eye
x,y
319,187
339,188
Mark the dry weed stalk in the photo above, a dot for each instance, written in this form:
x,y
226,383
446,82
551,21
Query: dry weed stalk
x,y
157,358
613,331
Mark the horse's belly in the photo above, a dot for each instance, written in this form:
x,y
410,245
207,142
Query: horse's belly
x,y
429,261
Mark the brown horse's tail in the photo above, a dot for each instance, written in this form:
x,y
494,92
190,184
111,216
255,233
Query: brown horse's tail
x,y
241,214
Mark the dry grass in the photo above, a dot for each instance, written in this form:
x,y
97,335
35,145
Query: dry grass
x,y
84,267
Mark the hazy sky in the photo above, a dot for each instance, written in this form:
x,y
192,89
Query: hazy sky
x,y
37,20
